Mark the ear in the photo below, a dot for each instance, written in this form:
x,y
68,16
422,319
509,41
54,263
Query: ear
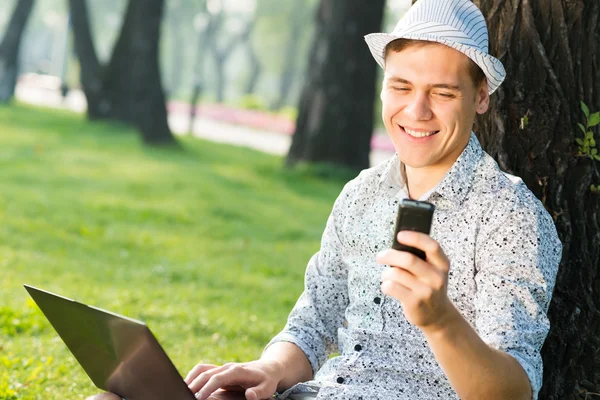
x,y
483,98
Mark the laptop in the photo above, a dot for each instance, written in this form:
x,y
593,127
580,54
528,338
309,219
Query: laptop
x,y
119,354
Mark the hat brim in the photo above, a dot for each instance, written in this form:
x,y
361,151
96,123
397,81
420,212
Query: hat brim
x,y
491,66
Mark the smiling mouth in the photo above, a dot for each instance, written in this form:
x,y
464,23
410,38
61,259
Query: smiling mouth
x,y
417,134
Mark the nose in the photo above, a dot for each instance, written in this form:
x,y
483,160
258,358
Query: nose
x,y
418,108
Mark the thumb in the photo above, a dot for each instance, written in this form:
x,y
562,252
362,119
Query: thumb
x,y
258,392
251,394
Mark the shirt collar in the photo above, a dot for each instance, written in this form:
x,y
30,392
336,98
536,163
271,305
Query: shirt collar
x,y
457,181
391,174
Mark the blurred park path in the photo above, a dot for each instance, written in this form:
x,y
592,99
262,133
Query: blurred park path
x,y
219,123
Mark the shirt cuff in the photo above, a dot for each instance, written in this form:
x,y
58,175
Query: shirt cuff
x,y
306,349
533,374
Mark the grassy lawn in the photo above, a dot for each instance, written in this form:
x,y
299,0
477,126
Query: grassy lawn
x,y
207,244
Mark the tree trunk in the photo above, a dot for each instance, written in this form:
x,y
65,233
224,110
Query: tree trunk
x,y
255,70
177,55
291,55
133,72
255,66
9,49
221,54
221,78
205,38
90,68
335,119
129,88
551,51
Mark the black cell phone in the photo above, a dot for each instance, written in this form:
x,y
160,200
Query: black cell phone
x,y
413,216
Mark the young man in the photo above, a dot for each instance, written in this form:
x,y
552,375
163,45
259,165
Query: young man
x,y
470,320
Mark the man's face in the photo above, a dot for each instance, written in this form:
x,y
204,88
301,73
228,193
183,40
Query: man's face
x,y
429,104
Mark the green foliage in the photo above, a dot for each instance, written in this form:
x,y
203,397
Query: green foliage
x,y
525,120
24,321
595,189
253,102
587,145
6,393
33,371
207,244
290,113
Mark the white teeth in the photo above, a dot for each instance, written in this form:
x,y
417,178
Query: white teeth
x,y
419,134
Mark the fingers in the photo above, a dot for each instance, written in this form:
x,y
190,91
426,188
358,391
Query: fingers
x,y
402,277
256,384
259,379
104,396
419,269
225,376
405,260
435,254
398,283
404,286
197,370
203,376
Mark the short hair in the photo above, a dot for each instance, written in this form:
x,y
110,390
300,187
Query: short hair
x,y
476,73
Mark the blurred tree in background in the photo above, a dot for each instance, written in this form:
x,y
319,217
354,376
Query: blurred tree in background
x,y
221,45
237,49
300,16
335,116
265,71
9,49
179,14
254,67
128,88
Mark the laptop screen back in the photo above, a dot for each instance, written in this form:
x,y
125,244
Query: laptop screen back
x,y
119,354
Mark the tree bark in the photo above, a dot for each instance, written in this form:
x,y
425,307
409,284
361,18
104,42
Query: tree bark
x,y
551,51
9,49
129,88
335,119
90,68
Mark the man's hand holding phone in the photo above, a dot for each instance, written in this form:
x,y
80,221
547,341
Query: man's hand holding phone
x,y
418,279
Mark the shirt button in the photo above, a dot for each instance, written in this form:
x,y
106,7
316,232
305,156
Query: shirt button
x,y
377,300
340,380
358,347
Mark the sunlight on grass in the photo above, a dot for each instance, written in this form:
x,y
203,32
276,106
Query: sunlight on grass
x,y
206,243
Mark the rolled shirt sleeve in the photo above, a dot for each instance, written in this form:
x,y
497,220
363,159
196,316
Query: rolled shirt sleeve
x,y
516,265
313,323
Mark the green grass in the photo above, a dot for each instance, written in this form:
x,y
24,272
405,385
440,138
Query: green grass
x,y
206,243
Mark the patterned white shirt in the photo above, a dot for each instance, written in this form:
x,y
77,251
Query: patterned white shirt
x,y
504,254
